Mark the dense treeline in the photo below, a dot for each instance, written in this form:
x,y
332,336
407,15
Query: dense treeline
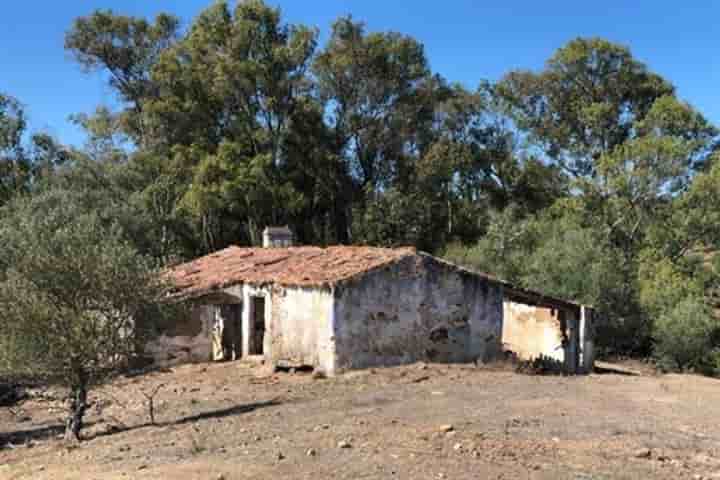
x,y
589,179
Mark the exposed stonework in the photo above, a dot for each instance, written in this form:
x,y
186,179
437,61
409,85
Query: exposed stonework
x,y
352,307
418,308
188,340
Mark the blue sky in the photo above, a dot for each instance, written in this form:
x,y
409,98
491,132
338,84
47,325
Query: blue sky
x,y
465,40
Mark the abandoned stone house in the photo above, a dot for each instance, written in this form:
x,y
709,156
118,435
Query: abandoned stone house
x,y
346,307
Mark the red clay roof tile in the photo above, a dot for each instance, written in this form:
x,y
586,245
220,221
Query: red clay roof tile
x,y
298,266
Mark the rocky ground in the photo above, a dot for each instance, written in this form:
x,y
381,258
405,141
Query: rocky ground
x,y
235,421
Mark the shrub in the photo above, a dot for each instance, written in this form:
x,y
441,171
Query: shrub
x,y
686,337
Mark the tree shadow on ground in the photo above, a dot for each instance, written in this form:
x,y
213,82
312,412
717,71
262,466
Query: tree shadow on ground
x,y
224,412
21,437
220,413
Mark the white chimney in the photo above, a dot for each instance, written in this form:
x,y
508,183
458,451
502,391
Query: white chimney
x,y
277,237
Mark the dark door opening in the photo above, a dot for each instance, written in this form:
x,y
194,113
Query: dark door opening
x,y
257,326
232,331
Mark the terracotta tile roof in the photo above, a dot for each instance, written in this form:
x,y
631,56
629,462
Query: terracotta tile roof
x,y
312,266
298,266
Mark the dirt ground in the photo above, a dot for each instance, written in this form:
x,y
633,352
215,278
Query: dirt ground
x,y
231,421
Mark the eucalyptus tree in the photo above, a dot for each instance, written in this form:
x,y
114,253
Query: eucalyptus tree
x,y
230,89
25,158
585,102
126,49
14,165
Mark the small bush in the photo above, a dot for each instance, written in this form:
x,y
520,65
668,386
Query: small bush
x,y
10,394
542,365
711,363
686,338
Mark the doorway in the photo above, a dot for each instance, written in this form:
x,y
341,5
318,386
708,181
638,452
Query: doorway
x,y
232,333
257,326
227,332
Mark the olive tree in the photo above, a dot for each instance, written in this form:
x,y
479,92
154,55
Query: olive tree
x,y
76,299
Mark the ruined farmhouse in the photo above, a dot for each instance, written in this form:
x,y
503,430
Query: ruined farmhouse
x,y
347,307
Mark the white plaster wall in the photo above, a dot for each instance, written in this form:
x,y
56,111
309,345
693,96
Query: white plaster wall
x,y
530,331
298,324
300,330
416,309
245,292
249,291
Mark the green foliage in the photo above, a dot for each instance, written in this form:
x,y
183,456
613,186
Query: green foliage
x,y
138,196
375,86
556,255
77,301
14,168
229,91
71,288
248,126
585,102
688,337
588,179
503,250
399,219
572,261
23,164
665,284
127,48
633,150
475,165
694,222
106,140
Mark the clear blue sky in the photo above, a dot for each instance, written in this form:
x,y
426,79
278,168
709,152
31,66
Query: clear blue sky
x,y
466,41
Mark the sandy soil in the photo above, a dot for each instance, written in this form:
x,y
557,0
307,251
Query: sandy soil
x,y
231,421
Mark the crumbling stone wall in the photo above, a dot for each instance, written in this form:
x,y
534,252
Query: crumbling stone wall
x,y
186,340
417,309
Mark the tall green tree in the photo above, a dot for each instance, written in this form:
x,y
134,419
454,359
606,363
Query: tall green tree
x,y
239,123
24,161
475,164
377,90
634,152
230,89
584,103
126,48
14,166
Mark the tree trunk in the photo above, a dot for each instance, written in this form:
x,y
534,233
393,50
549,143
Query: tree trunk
x,y
342,223
78,405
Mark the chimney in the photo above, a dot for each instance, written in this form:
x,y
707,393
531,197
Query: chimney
x,y
277,237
